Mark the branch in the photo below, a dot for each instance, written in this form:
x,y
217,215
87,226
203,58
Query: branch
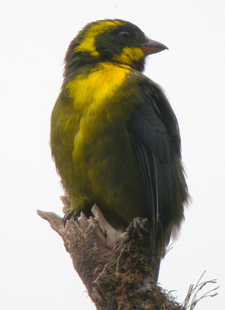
x,y
115,269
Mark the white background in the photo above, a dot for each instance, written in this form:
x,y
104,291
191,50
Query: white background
x,y
35,270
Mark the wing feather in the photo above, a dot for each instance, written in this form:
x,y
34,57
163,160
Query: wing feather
x,y
156,143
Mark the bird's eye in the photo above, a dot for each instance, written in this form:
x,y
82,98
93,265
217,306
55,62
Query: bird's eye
x,y
124,35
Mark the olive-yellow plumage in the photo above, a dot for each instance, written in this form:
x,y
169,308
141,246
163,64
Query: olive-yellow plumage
x,y
114,137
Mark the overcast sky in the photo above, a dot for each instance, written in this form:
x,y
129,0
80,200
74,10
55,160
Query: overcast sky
x,y
35,270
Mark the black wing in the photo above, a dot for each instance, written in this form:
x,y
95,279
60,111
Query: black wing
x,y
155,139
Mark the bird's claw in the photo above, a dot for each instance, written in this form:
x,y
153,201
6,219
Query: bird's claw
x,y
136,227
69,215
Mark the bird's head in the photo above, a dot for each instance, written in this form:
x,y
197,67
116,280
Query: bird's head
x,y
115,41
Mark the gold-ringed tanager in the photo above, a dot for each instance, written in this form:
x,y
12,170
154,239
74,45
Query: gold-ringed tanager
x,y
114,136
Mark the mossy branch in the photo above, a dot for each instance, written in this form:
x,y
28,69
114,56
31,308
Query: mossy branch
x,y
116,269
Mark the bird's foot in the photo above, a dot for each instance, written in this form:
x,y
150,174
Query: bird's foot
x,y
76,214
136,228
70,214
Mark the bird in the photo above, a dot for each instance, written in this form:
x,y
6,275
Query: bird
x,y
114,137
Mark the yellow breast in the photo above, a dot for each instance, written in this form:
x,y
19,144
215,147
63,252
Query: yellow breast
x,y
90,91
